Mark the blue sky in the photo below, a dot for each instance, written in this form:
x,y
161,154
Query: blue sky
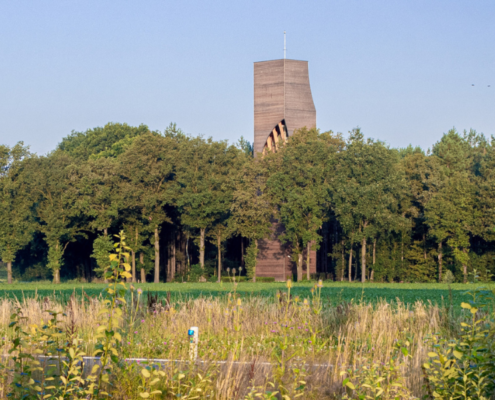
x,y
400,70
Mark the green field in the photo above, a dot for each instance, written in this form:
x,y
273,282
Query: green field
x,y
333,292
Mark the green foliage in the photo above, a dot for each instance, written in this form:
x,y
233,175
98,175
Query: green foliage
x,y
232,279
102,248
298,184
62,377
464,367
250,259
16,218
36,272
377,380
108,141
55,257
246,146
369,191
265,279
419,212
195,273
448,277
333,292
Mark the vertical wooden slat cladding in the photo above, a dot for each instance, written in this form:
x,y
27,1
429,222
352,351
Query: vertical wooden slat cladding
x,y
281,92
299,107
273,258
268,100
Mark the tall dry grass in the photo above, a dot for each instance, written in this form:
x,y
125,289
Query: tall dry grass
x,y
322,340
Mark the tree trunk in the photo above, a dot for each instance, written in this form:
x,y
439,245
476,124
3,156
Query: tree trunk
x,y
440,262
372,275
56,276
157,257
219,247
464,269
343,263
187,250
143,273
350,264
424,245
56,272
202,232
308,252
242,252
356,267
180,264
299,267
105,232
9,272
254,269
133,278
363,260
173,264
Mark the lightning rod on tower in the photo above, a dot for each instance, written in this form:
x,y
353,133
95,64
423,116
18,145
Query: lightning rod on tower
x,y
285,47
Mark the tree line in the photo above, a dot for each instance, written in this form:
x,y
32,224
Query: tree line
x,y
193,208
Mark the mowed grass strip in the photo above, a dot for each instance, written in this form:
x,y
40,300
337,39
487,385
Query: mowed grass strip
x,y
333,292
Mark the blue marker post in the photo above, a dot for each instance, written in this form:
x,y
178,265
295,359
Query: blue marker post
x,y
193,334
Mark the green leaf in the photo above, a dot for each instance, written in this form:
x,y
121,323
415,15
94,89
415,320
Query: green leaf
x,y
145,373
350,385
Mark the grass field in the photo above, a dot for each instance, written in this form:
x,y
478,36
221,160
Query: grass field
x,y
332,292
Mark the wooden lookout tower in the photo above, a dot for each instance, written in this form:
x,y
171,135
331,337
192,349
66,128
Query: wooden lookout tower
x,y
282,104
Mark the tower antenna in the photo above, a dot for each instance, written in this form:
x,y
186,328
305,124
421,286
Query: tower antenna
x,y
285,47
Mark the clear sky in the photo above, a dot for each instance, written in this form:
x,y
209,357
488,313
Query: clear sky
x,y
401,70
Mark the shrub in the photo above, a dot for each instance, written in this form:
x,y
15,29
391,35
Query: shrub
x,y
448,277
251,258
195,273
237,279
265,279
464,367
102,248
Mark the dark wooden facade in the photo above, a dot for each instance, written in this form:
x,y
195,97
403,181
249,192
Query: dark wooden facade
x,y
282,103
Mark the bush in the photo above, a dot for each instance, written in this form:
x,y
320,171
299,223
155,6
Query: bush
x,y
448,277
251,259
102,248
464,367
195,273
237,279
312,277
265,279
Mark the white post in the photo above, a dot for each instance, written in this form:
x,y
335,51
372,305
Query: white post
x,y
193,342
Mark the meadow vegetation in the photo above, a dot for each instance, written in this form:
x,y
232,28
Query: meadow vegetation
x,y
285,346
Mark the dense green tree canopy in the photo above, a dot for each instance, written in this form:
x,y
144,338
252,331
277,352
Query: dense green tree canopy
x,y
193,206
